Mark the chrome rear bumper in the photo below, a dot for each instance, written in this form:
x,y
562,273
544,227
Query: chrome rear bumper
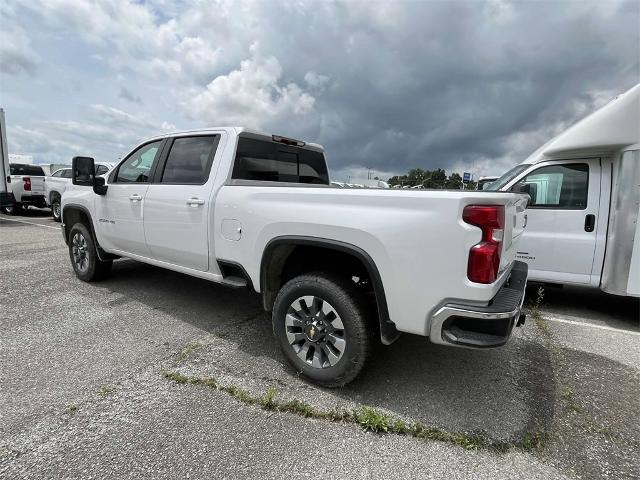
x,y
483,326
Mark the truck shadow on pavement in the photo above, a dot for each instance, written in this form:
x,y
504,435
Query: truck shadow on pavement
x,y
502,394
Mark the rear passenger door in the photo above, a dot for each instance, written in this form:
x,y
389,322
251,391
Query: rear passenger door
x,y
177,204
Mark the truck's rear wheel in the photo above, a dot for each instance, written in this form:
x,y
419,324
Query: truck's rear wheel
x,y
84,257
319,321
55,209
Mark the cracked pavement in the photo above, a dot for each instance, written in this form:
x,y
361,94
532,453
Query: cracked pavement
x,y
82,393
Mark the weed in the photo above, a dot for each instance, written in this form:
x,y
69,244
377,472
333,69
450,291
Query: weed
x,y
240,394
373,420
298,407
268,400
106,390
568,396
188,350
368,418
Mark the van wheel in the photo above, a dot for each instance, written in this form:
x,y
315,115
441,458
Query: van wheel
x,y
319,321
84,257
55,209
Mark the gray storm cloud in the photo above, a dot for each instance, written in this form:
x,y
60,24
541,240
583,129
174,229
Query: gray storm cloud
x,y
390,86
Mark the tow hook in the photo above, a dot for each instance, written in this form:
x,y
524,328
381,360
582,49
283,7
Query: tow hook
x,y
521,319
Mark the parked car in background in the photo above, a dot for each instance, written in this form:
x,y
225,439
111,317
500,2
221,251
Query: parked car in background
x,y
57,183
26,187
584,215
340,269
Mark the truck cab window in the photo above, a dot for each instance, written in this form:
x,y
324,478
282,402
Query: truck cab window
x,y
263,160
136,168
57,174
562,186
190,159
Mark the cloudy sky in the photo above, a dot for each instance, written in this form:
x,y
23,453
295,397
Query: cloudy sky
x,y
463,85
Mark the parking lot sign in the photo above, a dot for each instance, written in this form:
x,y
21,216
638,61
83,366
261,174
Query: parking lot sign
x,y
466,177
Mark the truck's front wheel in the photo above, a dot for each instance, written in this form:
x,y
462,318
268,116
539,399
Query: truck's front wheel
x,y
319,321
84,257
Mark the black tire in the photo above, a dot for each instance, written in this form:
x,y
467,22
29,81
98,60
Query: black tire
x,y
84,257
55,209
348,305
13,209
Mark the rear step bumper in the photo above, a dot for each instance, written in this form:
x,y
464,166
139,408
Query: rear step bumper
x,y
483,327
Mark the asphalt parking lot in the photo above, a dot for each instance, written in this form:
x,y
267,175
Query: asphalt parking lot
x,y
110,380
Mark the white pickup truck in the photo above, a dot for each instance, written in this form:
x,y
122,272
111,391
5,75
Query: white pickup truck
x,y
339,269
26,187
56,183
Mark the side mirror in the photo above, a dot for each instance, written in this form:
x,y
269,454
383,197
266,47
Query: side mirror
x,y
528,188
83,173
83,169
99,186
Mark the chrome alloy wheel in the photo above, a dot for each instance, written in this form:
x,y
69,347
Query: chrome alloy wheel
x,y
79,249
315,331
56,209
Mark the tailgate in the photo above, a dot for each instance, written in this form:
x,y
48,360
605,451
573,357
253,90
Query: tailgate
x,y
37,185
515,219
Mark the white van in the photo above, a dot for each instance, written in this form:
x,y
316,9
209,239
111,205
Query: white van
x,y
584,186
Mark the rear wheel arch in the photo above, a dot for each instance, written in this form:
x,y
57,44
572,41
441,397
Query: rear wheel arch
x,y
285,257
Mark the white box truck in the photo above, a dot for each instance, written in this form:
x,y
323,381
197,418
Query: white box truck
x,y
583,216
6,198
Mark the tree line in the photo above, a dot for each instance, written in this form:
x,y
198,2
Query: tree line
x,y
434,179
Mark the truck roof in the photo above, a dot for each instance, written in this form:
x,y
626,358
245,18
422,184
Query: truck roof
x,y
612,127
234,130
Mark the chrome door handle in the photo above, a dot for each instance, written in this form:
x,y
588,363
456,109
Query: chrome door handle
x,y
135,197
194,202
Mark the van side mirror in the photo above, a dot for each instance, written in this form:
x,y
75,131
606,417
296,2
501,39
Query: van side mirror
x,y
83,171
528,188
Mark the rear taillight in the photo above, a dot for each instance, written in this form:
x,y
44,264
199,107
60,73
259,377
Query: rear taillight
x,y
27,184
484,257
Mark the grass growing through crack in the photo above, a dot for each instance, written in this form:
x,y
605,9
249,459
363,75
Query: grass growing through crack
x,y
367,418
106,390
187,351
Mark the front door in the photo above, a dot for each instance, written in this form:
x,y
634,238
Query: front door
x,y
177,204
119,212
560,239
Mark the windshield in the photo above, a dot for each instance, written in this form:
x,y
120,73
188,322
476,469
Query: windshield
x,y
506,178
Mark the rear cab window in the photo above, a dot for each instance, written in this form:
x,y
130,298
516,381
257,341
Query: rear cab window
x,y
270,161
21,169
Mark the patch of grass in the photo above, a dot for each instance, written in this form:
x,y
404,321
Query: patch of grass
x,y
240,394
268,400
373,420
535,440
298,407
568,395
534,312
6,451
187,351
72,408
106,390
368,418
